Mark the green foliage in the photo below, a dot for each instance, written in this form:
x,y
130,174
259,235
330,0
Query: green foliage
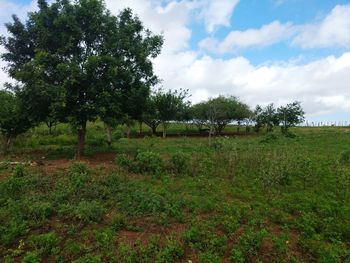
x,y
202,237
345,157
269,138
45,244
171,252
89,259
19,171
296,189
88,211
181,162
70,74
248,245
31,257
13,118
218,112
163,107
124,161
149,162
290,115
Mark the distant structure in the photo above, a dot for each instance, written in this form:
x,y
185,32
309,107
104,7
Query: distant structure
x,y
325,124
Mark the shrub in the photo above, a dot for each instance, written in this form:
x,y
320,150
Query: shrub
x,y
118,222
19,171
180,162
12,187
89,211
203,238
78,175
248,245
149,162
40,211
44,243
31,257
104,238
10,231
123,161
172,252
78,169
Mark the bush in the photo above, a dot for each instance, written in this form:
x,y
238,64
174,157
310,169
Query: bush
x,y
44,243
89,212
40,211
149,162
31,257
78,169
79,175
10,231
181,162
123,161
248,245
172,252
19,171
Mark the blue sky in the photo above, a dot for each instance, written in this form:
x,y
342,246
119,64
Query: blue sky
x,y
262,51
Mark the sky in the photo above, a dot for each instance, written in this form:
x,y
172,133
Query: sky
x,y
262,51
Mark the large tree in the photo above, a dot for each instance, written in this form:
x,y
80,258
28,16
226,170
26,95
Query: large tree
x,y
290,115
98,64
222,110
163,107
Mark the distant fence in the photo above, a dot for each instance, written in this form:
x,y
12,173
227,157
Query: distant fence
x,y
325,124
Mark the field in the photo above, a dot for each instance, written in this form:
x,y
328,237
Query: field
x,y
251,198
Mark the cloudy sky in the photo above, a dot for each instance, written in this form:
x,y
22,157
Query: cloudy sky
x,y
259,50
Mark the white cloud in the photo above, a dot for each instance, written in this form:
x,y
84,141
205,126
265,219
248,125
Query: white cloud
x,y
7,8
332,31
266,35
321,85
217,13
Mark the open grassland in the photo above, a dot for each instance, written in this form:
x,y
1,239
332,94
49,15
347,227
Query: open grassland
x,y
251,198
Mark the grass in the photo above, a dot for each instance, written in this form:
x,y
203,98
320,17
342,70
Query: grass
x,y
263,198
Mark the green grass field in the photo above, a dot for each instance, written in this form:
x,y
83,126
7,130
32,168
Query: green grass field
x,y
250,198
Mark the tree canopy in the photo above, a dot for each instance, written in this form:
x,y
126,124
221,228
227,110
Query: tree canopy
x,y
77,59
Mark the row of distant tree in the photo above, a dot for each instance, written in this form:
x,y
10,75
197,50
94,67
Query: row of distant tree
x,y
75,62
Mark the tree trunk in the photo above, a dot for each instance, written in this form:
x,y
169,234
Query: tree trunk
x,y
140,127
109,130
154,129
128,131
81,141
164,130
7,144
210,134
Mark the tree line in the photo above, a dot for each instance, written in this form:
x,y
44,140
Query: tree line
x,y
75,62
